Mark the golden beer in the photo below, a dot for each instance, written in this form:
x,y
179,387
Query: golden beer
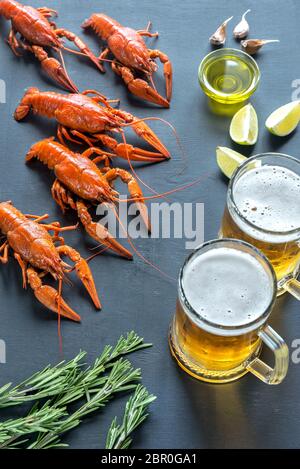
x,y
263,209
226,292
218,353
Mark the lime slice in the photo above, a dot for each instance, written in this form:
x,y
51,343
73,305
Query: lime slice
x,y
244,126
284,119
228,160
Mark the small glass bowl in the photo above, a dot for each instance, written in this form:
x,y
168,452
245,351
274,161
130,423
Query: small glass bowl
x,y
228,76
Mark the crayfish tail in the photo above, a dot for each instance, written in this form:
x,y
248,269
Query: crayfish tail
x,y
25,104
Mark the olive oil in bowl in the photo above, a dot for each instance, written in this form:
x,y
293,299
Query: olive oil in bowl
x,y
228,76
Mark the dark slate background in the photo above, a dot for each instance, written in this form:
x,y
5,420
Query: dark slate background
x,y
187,413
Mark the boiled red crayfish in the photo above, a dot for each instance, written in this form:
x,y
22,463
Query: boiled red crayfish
x,y
80,181
36,32
132,57
88,118
34,248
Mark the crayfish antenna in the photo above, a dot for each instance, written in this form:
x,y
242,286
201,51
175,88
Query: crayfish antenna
x,y
138,253
134,172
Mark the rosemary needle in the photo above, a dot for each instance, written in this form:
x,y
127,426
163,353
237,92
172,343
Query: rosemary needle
x,y
38,420
45,383
68,378
118,436
122,377
66,383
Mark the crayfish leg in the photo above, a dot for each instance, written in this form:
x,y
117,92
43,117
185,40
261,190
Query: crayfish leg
x,y
146,32
103,56
127,151
81,46
23,266
4,257
13,42
97,231
47,12
62,197
63,133
37,218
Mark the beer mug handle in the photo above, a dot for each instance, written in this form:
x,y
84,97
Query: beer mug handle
x,y
293,287
263,371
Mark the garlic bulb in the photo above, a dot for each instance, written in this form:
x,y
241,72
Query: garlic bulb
x,y
219,36
251,46
242,28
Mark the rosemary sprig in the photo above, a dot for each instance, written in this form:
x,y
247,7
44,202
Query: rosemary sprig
x,y
67,379
134,415
38,420
48,382
91,383
89,380
122,377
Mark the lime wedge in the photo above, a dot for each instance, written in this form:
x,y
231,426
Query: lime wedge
x,y
244,126
284,119
228,160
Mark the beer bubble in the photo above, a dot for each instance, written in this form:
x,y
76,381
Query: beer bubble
x,y
281,194
227,286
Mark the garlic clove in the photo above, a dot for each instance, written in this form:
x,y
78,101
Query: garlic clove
x,y
242,28
251,46
219,36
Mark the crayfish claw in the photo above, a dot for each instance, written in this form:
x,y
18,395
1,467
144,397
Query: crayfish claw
x,y
127,151
135,192
55,70
83,271
138,154
98,232
144,131
50,297
143,90
140,87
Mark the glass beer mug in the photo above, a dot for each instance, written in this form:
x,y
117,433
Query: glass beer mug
x,y
226,292
263,208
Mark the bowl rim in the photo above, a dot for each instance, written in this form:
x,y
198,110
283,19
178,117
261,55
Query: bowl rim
x,y
205,85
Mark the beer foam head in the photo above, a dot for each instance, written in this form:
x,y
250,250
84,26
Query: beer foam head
x,y
227,287
269,197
